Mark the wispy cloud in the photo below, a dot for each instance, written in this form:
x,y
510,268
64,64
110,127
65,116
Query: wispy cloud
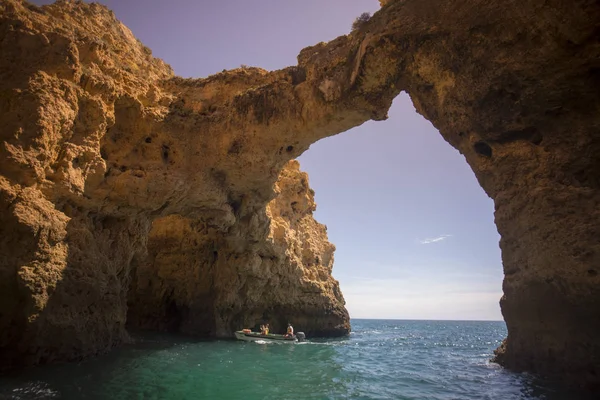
x,y
435,239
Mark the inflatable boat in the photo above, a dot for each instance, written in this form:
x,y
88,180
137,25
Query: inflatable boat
x,y
249,336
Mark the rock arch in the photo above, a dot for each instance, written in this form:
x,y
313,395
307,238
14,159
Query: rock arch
x,y
100,141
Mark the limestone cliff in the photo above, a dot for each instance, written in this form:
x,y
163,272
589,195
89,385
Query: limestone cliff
x,y
199,281
83,104
110,164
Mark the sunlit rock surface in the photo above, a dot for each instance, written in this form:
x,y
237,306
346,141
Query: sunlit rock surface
x,y
123,184
202,280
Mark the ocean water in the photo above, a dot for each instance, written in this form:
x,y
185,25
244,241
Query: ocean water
x,y
381,359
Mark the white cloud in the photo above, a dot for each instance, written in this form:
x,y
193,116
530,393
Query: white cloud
x,y
435,239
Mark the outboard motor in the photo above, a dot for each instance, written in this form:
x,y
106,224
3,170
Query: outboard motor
x,y
300,336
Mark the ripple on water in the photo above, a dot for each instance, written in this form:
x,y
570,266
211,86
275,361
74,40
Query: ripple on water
x,y
397,360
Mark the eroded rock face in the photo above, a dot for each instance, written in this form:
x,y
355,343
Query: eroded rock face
x,y
188,236
113,171
201,280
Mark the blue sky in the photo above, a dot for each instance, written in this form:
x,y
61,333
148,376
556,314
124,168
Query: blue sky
x,y
414,231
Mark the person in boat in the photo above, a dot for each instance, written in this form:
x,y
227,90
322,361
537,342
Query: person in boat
x,y
290,330
264,329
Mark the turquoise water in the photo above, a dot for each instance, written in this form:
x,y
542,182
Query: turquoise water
x,y
381,359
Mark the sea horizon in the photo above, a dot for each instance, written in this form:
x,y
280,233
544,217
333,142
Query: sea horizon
x,y
426,319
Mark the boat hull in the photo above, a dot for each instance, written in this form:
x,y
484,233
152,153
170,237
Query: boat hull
x,y
255,337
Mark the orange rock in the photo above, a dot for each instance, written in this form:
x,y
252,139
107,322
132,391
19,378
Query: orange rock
x,y
123,184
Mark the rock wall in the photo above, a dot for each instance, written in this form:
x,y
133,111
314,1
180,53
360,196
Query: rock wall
x,y
112,168
201,280
102,207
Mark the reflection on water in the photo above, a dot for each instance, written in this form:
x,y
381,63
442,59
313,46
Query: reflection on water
x,y
380,360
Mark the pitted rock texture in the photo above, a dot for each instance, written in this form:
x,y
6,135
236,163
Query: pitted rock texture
x,y
110,164
179,239
198,281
